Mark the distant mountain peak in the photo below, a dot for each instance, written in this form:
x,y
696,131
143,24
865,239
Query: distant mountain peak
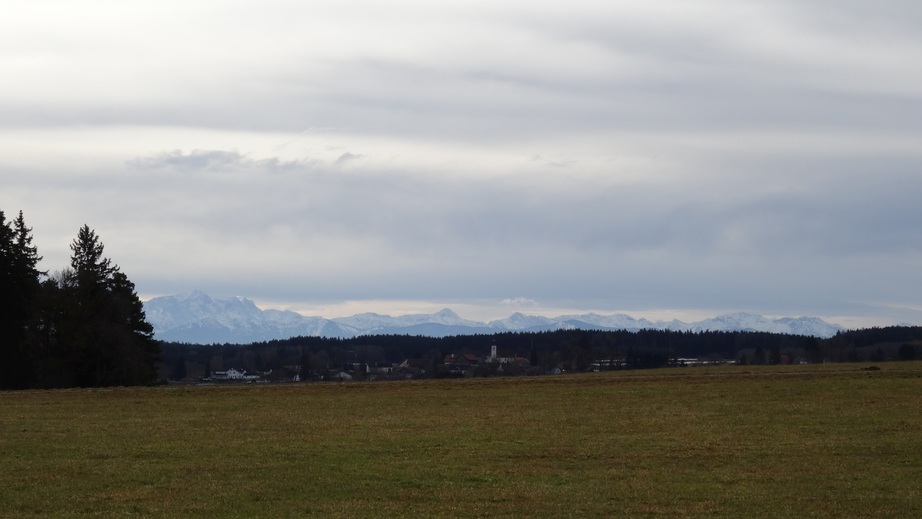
x,y
196,317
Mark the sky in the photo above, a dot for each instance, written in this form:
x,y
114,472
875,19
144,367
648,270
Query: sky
x,y
665,159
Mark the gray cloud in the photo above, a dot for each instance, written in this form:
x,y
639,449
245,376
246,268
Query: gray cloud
x,y
600,155
431,237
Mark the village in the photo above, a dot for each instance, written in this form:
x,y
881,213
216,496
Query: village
x,y
454,365
496,362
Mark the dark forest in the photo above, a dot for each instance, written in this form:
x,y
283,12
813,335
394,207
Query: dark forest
x,y
404,356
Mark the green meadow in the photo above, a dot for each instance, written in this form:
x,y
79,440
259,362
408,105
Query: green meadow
x,y
786,441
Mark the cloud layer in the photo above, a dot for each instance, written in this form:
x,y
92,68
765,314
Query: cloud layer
x,y
613,156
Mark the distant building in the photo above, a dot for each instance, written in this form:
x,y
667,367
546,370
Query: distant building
x,y
461,362
233,375
504,357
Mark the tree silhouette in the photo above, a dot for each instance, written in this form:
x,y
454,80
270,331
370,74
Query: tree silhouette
x,y
98,329
19,287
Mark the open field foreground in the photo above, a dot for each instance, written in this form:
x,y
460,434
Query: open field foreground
x,y
806,441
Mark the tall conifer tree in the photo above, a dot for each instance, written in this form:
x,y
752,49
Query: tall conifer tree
x,y
19,285
103,334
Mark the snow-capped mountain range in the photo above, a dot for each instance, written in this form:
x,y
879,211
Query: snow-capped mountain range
x,y
195,317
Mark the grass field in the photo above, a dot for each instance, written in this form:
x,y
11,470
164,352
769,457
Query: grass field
x,y
806,441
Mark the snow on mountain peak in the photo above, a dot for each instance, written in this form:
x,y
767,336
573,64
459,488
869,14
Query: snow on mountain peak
x,y
197,317
447,313
520,321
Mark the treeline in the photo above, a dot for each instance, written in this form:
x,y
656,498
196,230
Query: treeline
x,y
81,326
875,345
545,352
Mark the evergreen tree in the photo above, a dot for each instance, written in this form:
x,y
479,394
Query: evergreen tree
x,y
99,329
19,286
53,318
94,271
758,357
179,369
25,251
10,322
131,335
775,353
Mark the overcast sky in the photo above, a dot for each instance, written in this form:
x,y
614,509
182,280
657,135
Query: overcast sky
x,y
666,159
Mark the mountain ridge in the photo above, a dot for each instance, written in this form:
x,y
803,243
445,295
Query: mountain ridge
x,y
195,317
